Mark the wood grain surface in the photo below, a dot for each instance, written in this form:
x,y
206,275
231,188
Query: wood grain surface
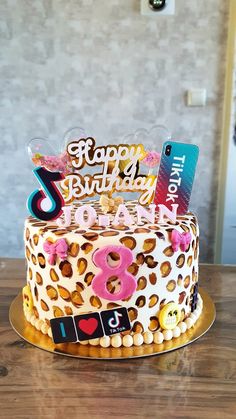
x,y
197,381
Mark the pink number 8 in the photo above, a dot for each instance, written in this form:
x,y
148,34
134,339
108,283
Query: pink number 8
x,y
127,281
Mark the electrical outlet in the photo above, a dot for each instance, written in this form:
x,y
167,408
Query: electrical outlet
x,y
196,97
168,9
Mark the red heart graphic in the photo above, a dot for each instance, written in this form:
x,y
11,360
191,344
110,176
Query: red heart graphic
x,y
88,326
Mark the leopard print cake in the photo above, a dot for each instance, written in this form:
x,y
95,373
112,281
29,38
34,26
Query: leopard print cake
x,y
164,277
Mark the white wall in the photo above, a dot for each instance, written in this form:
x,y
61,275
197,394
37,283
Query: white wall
x,y
103,66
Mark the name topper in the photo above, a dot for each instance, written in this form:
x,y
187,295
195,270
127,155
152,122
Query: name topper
x,y
119,171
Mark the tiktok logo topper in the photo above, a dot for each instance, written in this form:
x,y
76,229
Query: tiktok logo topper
x,y
46,203
115,321
35,201
90,326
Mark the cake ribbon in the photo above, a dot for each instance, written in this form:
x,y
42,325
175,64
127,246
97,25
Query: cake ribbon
x,y
59,248
110,204
181,240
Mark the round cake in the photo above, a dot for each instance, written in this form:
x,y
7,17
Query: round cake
x,y
163,303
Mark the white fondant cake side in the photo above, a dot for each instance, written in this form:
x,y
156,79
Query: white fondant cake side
x,y
162,275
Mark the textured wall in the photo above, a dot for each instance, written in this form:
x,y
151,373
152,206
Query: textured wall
x,y
103,66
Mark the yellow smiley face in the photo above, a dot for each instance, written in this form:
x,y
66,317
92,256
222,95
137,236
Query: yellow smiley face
x,y
169,316
27,298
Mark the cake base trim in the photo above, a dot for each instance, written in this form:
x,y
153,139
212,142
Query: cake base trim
x,y
128,340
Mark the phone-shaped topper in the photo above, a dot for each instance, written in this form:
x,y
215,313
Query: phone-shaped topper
x,y
176,175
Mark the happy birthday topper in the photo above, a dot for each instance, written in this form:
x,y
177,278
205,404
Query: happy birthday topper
x,y
119,171
81,170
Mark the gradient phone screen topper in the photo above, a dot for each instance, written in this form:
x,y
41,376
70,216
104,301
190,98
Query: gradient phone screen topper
x,y
176,175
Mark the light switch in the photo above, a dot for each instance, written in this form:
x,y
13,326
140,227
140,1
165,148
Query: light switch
x,y
148,7
196,97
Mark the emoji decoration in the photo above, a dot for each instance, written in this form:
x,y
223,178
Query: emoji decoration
x,y
27,299
169,316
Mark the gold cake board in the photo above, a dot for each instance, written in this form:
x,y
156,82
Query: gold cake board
x,y
26,331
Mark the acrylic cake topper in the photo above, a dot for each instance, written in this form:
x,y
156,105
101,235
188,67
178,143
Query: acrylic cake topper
x,y
47,202
176,175
119,164
119,171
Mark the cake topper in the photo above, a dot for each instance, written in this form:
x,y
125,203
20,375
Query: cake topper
x,y
82,169
42,154
86,216
176,175
49,194
119,171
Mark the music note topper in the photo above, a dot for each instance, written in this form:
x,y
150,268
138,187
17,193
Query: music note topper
x,y
50,192
115,321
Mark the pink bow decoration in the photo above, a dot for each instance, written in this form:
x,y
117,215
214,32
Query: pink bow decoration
x,y
181,240
59,248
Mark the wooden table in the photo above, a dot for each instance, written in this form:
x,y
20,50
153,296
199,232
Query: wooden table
x,y
198,381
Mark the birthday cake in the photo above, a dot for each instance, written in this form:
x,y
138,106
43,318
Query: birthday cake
x,y
109,272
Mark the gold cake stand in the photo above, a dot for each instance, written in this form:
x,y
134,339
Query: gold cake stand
x,y
26,331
